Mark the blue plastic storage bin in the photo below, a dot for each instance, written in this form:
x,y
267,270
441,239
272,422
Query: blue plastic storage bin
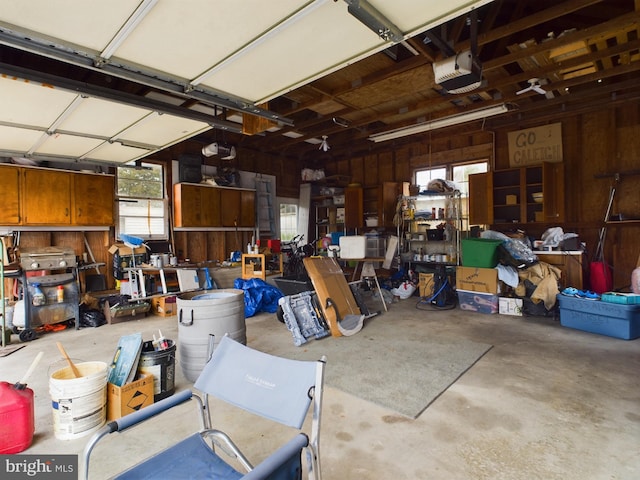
x,y
595,316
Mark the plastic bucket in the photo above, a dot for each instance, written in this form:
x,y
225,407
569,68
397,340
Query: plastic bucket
x,y
162,365
79,404
202,314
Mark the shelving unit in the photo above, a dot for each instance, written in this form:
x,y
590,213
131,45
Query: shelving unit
x,y
329,218
506,196
419,236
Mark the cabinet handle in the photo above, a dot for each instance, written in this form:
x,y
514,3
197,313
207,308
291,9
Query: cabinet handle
x,y
66,212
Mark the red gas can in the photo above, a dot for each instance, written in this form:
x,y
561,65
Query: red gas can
x,y
17,423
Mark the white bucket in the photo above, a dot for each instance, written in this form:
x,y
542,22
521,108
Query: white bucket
x,y
79,404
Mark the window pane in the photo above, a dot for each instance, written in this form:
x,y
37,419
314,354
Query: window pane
x,y
145,218
423,177
143,182
142,210
288,221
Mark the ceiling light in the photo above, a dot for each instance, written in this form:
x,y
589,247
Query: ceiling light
x,y
442,122
324,145
372,18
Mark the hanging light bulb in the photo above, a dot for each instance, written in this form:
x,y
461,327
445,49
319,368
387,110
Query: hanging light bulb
x,y
324,146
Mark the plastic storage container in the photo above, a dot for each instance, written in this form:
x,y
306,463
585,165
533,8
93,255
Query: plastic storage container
x,y
478,302
480,252
595,316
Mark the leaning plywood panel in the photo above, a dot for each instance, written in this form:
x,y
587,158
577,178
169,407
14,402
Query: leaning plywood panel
x,y
329,283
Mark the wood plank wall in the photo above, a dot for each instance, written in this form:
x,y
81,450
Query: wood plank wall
x,y
595,143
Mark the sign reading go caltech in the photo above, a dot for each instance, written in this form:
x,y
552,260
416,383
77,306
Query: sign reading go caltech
x,y
533,146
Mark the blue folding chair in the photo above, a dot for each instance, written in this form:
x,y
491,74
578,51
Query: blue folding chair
x,y
275,388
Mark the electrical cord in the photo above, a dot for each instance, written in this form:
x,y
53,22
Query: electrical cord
x,y
425,301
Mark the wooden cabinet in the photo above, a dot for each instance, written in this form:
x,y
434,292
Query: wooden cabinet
x,y
196,205
47,197
353,208
570,263
42,197
203,206
389,194
93,199
507,196
10,211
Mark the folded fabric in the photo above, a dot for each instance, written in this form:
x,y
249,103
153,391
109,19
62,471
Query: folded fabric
x,y
508,274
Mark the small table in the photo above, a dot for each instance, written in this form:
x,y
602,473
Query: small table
x,y
367,271
142,270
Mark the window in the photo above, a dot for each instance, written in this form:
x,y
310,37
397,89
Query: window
x,y
288,221
459,174
142,207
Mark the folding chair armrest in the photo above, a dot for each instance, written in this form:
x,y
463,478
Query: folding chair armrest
x,y
271,464
133,419
152,410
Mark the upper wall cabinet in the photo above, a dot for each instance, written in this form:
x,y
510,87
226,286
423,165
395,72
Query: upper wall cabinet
x,y
10,211
518,195
45,197
204,206
93,199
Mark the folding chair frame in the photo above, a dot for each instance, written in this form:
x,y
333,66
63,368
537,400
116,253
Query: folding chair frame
x,y
220,439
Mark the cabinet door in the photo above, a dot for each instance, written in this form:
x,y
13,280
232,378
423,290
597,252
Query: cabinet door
x,y
553,192
210,207
353,207
389,193
247,208
10,211
47,197
187,200
230,210
480,199
93,199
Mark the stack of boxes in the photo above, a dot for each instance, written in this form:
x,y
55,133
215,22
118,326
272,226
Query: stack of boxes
x,y
477,283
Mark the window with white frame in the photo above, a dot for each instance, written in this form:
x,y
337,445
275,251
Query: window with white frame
x,y
142,205
288,221
458,173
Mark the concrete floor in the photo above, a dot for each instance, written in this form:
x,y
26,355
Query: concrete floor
x,y
546,402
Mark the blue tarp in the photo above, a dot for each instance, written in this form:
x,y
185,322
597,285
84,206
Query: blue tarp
x,y
259,296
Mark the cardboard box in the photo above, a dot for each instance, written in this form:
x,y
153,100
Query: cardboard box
x,y
121,249
478,302
425,284
510,306
164,306
130,397
475,279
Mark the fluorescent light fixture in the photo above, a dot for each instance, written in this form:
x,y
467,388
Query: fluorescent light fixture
x,y
376,21
442,122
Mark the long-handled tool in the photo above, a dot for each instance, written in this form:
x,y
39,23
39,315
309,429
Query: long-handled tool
x,y
601,276
74,369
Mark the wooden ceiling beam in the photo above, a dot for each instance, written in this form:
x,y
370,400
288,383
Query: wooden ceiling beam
x,y
628,20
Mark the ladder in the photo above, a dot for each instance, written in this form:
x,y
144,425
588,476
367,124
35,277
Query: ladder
x,y
265,215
